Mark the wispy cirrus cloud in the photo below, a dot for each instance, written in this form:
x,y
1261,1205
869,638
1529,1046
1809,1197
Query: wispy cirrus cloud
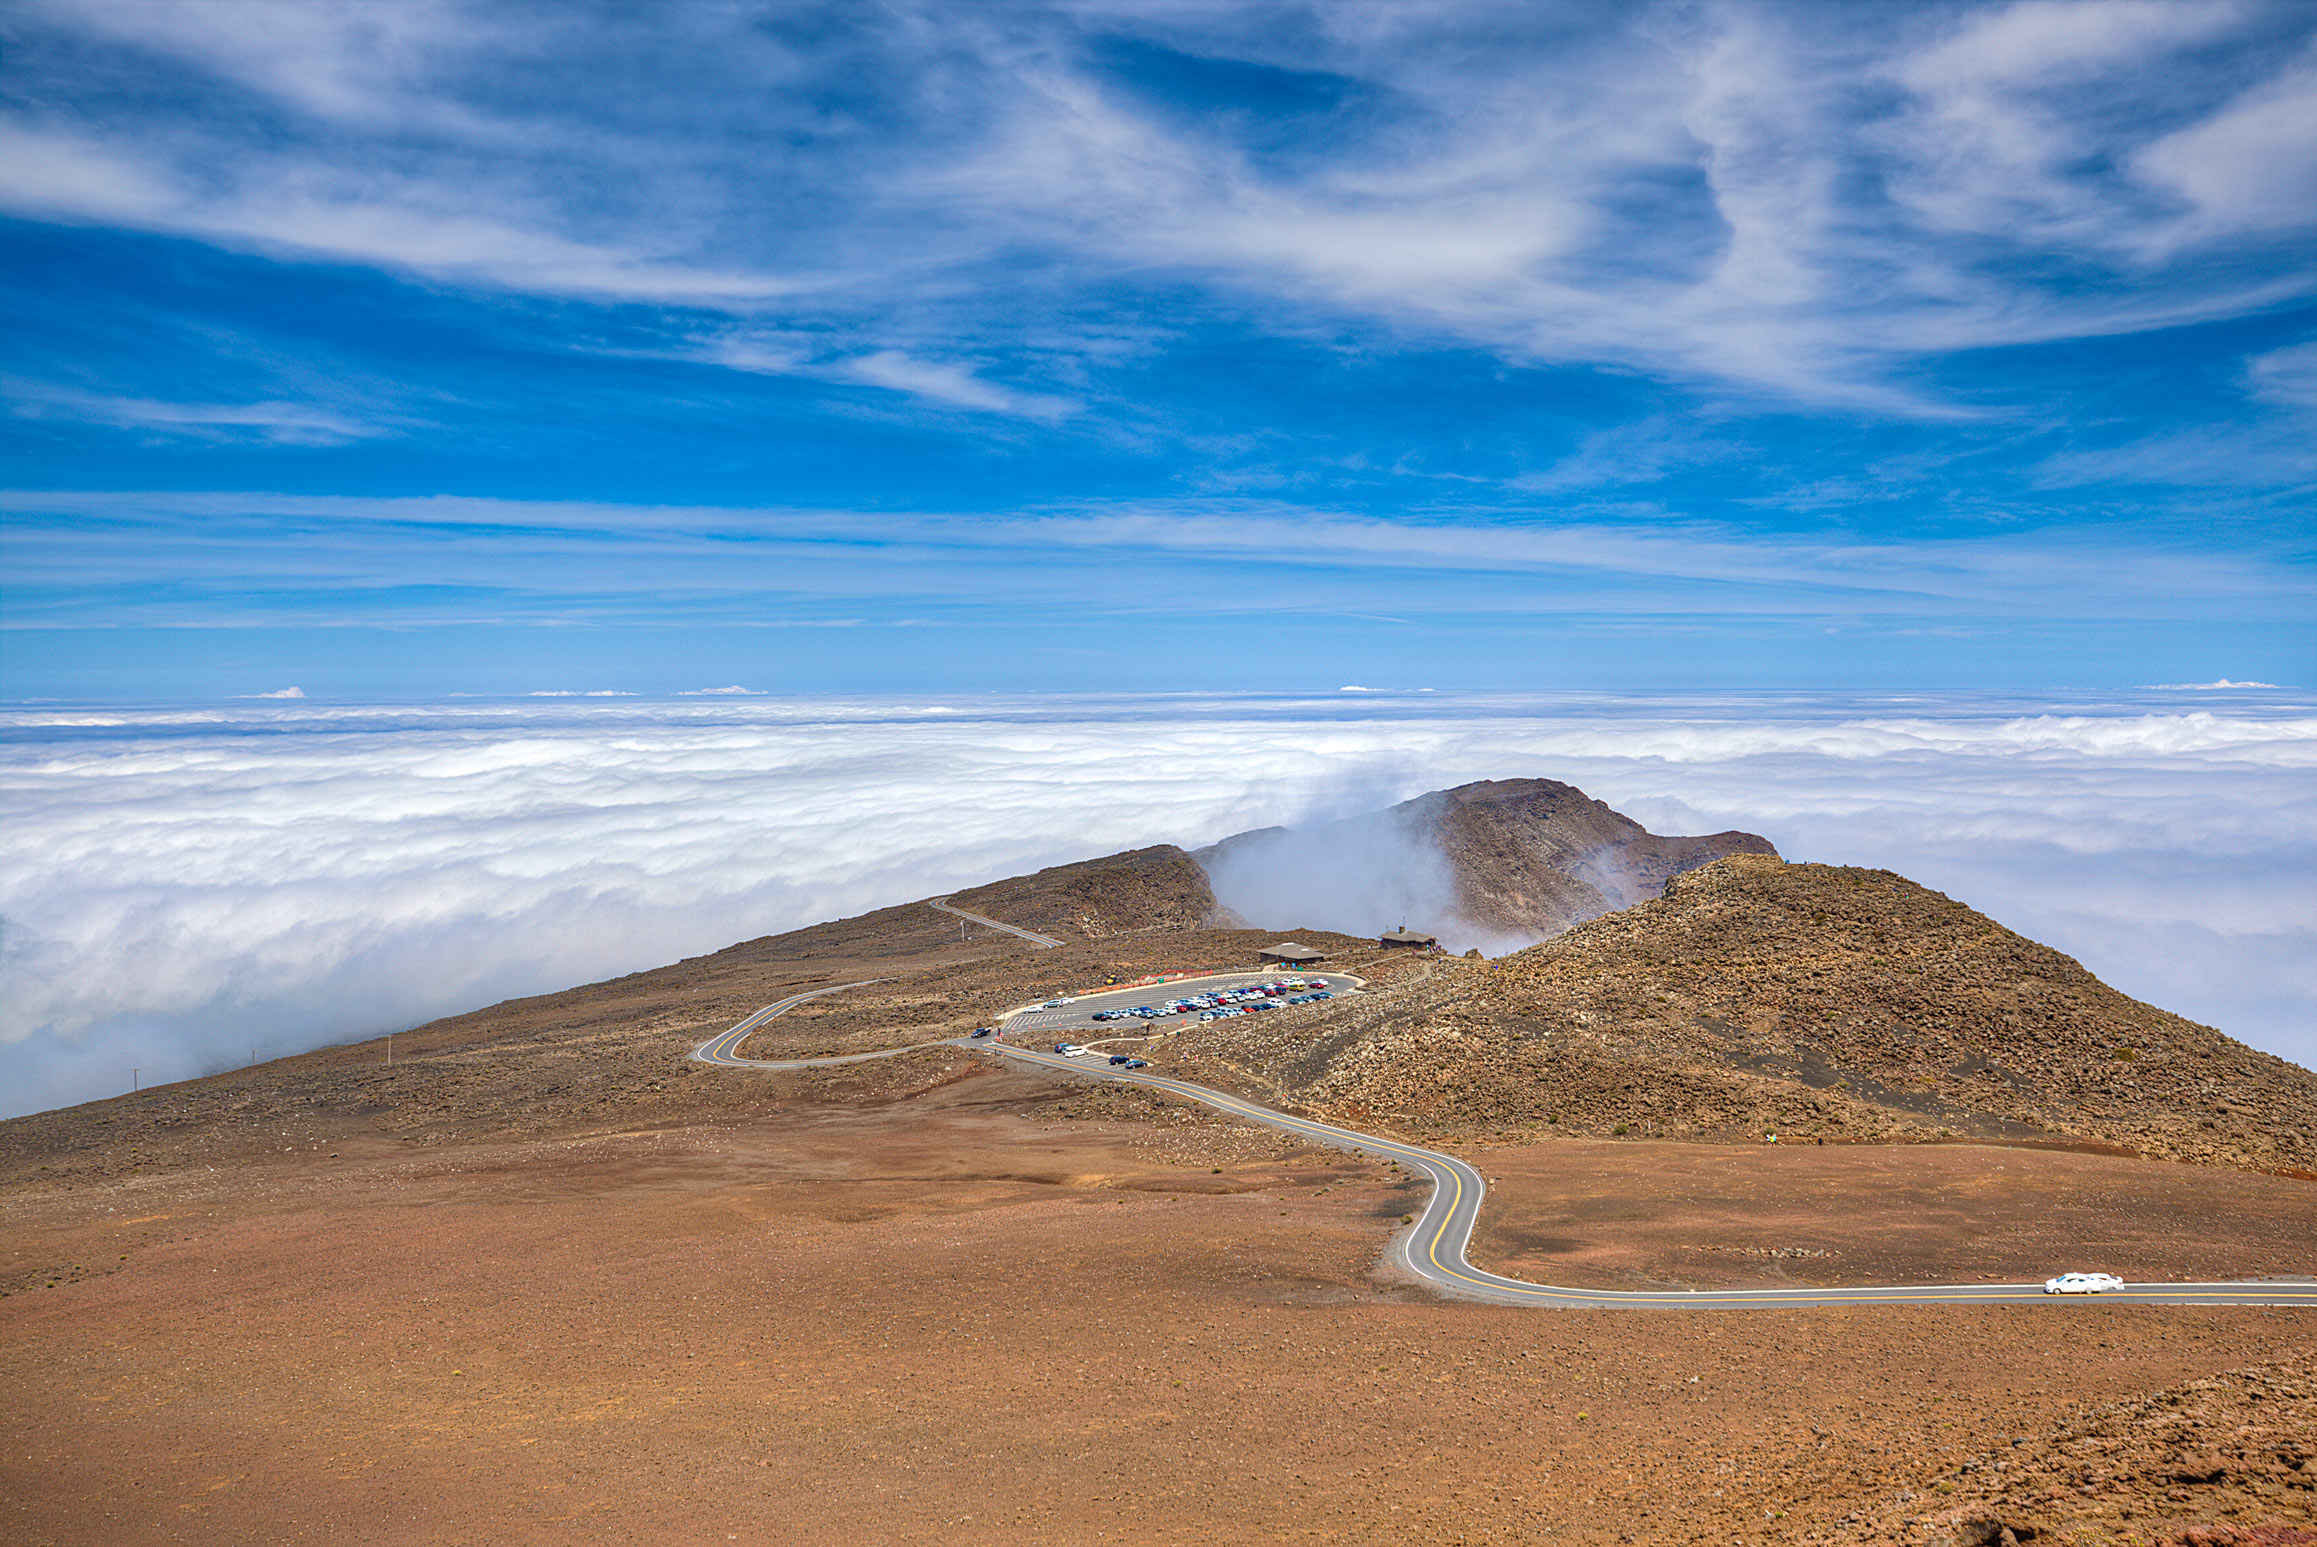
x,y
2285,377
1831,192
276,423
405,561
946,383
414,224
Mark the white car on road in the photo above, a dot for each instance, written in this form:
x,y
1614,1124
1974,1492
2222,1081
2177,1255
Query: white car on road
x,y
2082,1284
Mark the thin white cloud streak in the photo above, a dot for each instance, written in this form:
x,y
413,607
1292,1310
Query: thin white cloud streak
x,y
1801,200
183,883
2285,377
276,423
942,382
952,384
555,555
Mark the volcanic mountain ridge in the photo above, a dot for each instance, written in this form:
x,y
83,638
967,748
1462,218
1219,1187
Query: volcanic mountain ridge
x,y
1751,998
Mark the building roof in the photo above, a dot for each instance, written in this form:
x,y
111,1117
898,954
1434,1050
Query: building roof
x,y
1292,951
1406,936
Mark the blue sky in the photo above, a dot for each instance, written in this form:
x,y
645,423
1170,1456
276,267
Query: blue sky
x,y
412,349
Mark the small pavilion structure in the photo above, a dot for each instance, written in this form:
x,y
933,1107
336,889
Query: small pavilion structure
x,y
1291,953
1406,939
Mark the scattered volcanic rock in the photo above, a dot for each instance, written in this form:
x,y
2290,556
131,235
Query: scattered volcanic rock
x,y
1810,1001
2226,1461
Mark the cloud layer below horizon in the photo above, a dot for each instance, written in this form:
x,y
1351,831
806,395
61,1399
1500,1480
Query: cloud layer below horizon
x,y
181,887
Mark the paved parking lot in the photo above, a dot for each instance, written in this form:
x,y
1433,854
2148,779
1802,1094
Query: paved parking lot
x,y
1079,1016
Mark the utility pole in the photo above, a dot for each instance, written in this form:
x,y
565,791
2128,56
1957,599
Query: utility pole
x,y
134,1083
390,1050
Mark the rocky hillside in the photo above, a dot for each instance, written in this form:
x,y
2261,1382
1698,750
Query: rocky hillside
x,y
1815,1002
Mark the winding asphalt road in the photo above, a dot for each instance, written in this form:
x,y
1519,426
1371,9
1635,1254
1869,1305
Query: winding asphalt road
x,y
1434,1248
722,1050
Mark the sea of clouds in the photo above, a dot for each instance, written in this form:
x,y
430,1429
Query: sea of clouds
x,y
182,889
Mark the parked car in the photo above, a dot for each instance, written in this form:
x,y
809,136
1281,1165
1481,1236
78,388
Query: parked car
x,y
2082,1284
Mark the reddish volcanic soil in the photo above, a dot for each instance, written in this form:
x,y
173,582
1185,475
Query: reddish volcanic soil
x,y
968,1306
1644,1215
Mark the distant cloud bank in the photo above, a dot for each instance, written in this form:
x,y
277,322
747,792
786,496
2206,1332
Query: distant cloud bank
x,y
2221,685
177,886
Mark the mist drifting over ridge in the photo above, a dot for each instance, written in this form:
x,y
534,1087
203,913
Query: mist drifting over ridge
x,y
1357,874
185,885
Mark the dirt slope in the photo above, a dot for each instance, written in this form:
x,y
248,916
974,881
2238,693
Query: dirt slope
x,y
1137,892
1813,1001
616,1052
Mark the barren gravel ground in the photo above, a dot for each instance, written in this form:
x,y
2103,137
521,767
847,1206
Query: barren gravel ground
x,y
933,1301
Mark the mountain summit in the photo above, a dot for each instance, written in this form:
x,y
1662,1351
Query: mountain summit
x,y
1511,859
1535,856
